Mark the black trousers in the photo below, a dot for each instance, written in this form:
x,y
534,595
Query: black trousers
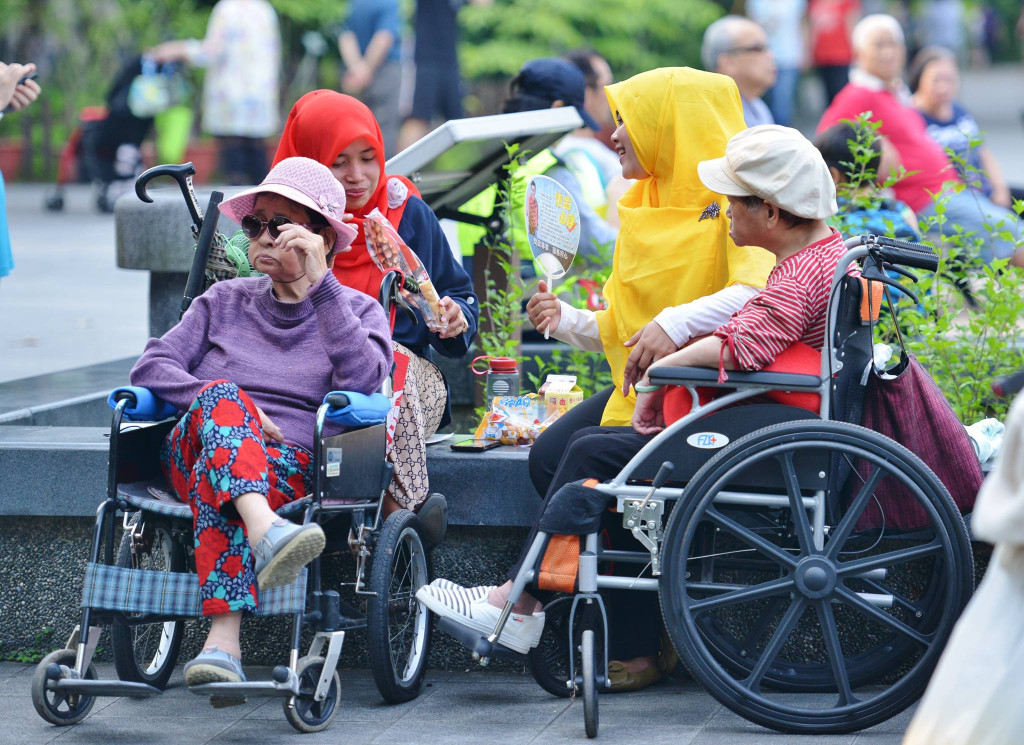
x,y
243,160
577,447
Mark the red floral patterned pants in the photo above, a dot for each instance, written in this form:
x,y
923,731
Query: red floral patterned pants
x,y
214,454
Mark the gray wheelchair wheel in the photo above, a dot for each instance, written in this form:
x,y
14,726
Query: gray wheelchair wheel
x,y
57,707
810,607
147,653
397,624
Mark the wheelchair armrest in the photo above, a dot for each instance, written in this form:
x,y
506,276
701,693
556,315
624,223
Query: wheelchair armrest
x,y
143,404
351,409
706,376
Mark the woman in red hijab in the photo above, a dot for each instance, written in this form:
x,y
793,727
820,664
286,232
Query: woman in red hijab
x,y
342,133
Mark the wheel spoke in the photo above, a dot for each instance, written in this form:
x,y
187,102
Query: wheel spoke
x,y
778,638
889,558
796,504
854,512
753,539
836,657
754,592
852,599
881,589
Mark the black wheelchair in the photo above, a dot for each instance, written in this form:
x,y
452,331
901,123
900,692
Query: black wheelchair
x,y
776,573
143,586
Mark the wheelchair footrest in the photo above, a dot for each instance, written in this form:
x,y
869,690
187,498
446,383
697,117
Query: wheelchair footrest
x,y
103,687
245,690
476,642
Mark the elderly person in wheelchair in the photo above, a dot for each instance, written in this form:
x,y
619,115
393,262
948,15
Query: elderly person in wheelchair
x,y
776,573
249,364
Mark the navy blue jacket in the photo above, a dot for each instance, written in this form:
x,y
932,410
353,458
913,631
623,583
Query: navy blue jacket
x,y
422,232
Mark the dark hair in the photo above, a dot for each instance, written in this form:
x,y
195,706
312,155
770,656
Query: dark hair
x,y
834,146
519,101
921,61
583,58
791,220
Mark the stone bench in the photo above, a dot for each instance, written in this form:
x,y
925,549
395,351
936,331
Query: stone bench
x,y
62,471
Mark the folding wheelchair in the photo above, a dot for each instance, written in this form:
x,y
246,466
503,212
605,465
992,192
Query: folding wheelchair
x,y
776,572
142,583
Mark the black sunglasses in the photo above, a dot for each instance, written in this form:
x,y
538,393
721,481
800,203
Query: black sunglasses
x,y
253,227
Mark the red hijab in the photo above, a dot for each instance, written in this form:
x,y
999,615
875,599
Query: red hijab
x,y
320,125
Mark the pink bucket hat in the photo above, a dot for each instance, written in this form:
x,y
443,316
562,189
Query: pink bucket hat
x,y
305,182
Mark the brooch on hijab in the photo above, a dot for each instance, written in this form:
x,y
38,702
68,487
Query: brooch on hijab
x,y
397,193
710,212
328,204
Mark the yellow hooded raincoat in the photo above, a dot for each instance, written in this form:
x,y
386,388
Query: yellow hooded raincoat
x,y
674,244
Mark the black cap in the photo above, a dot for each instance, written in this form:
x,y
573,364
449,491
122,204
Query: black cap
x,y
555,79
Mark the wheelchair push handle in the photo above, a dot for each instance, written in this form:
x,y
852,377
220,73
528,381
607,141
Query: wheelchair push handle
x,y
182,174
905,253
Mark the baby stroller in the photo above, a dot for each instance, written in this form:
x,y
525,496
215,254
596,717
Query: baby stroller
x,y
104,148
763,526
142,584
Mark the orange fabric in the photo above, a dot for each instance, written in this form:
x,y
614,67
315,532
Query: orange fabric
x,y
798,358
320,125
560,564
870,315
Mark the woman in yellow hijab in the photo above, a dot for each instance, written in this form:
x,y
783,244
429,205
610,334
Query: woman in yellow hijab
x,y
676,276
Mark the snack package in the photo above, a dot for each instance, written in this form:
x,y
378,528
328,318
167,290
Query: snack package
x,y
561,391
389,251
517,420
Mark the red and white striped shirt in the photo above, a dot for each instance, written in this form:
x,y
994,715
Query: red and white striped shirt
x,y
792,307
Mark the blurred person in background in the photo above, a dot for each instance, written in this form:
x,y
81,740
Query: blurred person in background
x,y
876,85
242,56
438,91
583,152
370,47
782,21
943,23
935,82
830,27
15,94
738,47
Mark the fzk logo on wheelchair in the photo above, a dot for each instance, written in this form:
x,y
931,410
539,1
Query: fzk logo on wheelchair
x,y
707,440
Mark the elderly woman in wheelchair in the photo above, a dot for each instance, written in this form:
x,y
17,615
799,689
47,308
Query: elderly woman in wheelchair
x,y
765,530
249,364
258,369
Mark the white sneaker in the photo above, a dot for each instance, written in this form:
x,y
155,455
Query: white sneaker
x,y
469,606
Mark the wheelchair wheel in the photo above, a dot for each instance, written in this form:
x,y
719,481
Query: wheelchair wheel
x,y
147,652
549,660
306,714
398,625
57,707
800,609
588,670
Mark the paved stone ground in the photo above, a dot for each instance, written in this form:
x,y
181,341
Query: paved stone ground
x,y
473,707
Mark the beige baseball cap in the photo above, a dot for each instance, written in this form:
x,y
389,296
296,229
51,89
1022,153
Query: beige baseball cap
x,y
777,164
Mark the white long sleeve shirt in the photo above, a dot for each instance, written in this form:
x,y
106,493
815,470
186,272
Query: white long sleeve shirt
x,y
681,322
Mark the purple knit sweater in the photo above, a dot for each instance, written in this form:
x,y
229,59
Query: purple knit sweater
x,y
286,356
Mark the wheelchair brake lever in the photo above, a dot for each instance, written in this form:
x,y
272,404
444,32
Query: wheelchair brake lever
x,y
182,174
872,273
901,271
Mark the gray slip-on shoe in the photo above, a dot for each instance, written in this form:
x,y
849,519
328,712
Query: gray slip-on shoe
x,y
213,665
284,549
